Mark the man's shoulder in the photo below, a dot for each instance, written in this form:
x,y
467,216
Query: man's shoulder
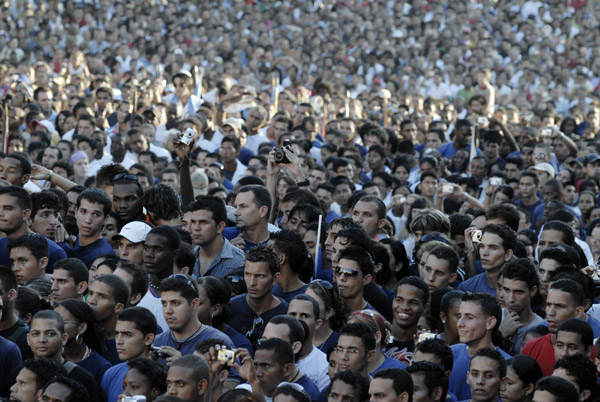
x,y
114,371
8,347
537,345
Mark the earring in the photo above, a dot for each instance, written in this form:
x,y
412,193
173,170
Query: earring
x,y
443,321
77,338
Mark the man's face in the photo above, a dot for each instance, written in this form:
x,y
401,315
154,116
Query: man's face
x,y
157,257
432,140
25,265
511,170
342,392
130,341
11,216
127,204
592,170
45,339
177,310
286,208
408,306
227,152
436,273
44,100
560,306
409,131
484,379
56,393
259,280
85,147
375,160
132,252
365,213
517,295
171,180
138,143
492,253
45,221
491,150
50,157
527,186
182,384
478,170
315,178
428,186
303,311
146,161
349,278
247,214
10,170
85,127
473,323
203,227
268,371
90,218
64,287
351,353
548,238
297,223
100,299
342,194
420,390
25,389
330,241
349,129
567,344
254,120
546,269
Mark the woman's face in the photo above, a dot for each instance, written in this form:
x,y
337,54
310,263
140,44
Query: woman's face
x,y
205,307
71,323
512,388
402,174
135,383
282,187
81,167
499,198
69,124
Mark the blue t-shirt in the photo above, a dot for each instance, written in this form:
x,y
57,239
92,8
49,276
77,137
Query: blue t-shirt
x,y
477,284
110,353
447,150
242,316
55,253
239,340
309,387
389,363
187,347
96,365
328,344
529,208
89,253
288,296
112,382
10,356
458,377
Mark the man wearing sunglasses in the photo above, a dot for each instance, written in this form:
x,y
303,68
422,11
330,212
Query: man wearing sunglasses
x,y
352,274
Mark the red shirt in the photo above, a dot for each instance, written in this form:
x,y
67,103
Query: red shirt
x,y
542,351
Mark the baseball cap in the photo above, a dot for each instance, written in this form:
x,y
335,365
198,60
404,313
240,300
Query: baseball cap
x,y
593,158
135,232
545,167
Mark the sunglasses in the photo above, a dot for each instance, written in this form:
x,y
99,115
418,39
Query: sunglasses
x,y
254,333
350,273
125,176
294,386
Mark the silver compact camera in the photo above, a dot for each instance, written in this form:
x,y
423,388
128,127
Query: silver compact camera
x,y
188,136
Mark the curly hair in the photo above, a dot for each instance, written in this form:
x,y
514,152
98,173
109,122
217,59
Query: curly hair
x,y
163,202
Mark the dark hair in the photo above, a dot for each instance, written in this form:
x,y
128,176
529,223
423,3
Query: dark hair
x,y
173,240
75,268
358,382
562,390
359,255
399,253
439,349
448,300
506,212
35,243
44,369
309,212
582,368
163,202
153,371
94,334
120,290
50,315
282,350
311,300
434,376
362,331
95,196
292,246
262,196
580,327
297,333
529,173
139,277
78,392
521,269
264,254
567,232
218,291
29,302
557,254
416,282
288,390
213,204
489,306
23,162
571,287
198,366
448,254
492,354
508,236
527,369
177,283
20,194
303,196
44,200
141,317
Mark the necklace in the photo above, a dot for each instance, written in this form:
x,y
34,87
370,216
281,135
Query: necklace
x,y
294,379
87,353
155,287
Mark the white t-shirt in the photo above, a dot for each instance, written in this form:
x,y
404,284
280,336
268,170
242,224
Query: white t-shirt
x,y
315,367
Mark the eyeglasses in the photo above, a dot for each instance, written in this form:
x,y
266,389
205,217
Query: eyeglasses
x,y
349,273
125,176
327,285
294,386
185,279
351,351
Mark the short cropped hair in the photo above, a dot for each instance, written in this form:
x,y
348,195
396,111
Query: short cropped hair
x,y
362,331
489,305
120,290
282,350
264,254
141,317
492,354
35,243
95,196
521,269
434,376
439,349
178,283
75,268
562,390
198,366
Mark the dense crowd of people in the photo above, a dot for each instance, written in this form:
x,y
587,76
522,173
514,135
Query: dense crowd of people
x,y
299,201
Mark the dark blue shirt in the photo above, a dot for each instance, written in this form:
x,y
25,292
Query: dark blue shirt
x,y
89,253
